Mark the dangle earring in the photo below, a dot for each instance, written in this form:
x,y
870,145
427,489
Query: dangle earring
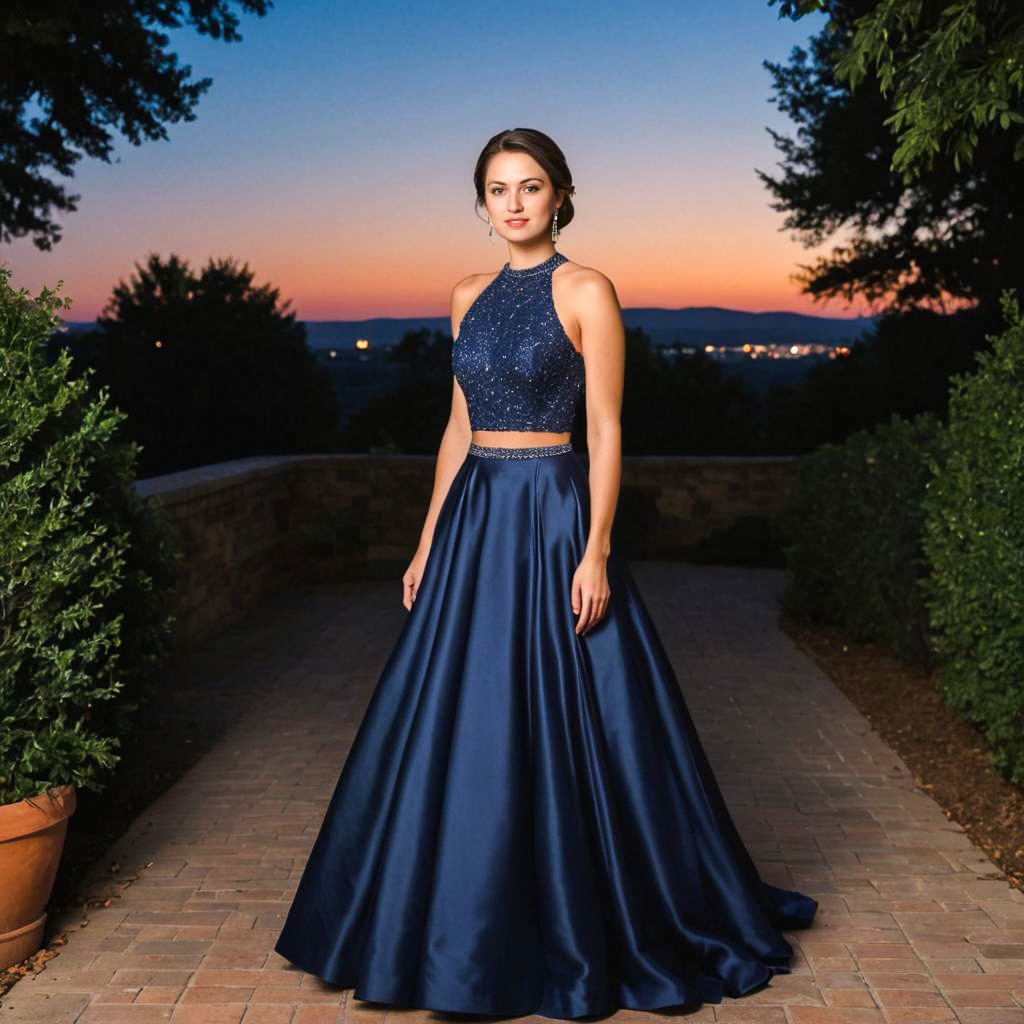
x,y
490,230
554,226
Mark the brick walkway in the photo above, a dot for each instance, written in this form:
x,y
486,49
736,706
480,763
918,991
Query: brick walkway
x,y
914,922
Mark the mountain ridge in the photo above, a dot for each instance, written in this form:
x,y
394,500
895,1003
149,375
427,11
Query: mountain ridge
x,y
689,325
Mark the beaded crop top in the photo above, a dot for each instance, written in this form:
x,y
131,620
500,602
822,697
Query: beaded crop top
x,y
513,360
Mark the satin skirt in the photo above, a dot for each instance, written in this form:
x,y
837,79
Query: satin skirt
x,y
526,821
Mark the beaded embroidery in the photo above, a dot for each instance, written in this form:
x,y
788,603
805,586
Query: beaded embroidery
x,y
512,358
495,452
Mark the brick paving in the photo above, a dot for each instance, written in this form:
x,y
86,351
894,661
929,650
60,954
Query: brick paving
x,y
915,924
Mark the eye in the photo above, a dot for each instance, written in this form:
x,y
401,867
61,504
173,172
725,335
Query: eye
x,y
534,187
496,190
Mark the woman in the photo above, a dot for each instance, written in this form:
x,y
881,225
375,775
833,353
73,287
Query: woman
x,y
526,821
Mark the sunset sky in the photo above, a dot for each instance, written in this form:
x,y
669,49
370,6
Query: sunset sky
x,y
334,153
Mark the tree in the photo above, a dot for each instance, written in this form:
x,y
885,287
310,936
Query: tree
x,y
949,239
955,70
413,416
88,67
903,367
209,367
688,405
669,407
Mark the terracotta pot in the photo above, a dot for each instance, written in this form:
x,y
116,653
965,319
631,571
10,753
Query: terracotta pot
x,y
31,840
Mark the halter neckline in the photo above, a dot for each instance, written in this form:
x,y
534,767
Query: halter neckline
x,y
517,367
549,264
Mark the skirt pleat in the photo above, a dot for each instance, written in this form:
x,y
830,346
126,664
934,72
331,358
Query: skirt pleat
x,y
526,821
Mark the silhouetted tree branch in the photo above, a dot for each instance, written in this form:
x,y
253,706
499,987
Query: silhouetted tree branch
x,y
71,70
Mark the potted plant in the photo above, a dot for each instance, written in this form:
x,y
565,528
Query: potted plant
x,y
87,571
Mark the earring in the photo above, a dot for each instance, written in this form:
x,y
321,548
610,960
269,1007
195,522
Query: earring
x,y
490,230
554,226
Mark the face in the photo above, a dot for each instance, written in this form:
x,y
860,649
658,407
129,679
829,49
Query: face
x,y
519,197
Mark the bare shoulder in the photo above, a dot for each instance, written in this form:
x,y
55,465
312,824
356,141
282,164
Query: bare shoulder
x,y
586,283
464,293
467,288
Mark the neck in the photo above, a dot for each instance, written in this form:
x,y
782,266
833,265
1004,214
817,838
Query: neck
x,y
525,260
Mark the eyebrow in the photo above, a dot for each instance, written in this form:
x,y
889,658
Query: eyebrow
x,y
494,181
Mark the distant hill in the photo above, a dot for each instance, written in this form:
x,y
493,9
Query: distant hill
x,y
688,325
713,325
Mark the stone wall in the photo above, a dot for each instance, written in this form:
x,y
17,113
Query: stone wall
x,y
668,503
252,527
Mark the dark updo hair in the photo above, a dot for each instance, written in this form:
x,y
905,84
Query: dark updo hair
x,y
544,150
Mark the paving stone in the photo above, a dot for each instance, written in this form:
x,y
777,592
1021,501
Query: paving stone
x,y
915,925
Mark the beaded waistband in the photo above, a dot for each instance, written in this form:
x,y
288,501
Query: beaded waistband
x,y
494,452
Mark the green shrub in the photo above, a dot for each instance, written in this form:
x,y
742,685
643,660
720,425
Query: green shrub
x,y
86,568
850,529
974,540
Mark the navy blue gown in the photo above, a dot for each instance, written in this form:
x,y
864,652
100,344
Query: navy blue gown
x,y
526,821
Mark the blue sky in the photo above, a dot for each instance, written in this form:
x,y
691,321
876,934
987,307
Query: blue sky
x,y
334,153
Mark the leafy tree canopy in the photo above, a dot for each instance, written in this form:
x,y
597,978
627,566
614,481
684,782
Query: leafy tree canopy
x,y
947,240
954,69
71,70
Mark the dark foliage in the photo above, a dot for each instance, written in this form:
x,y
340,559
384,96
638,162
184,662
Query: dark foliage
x,y
689,406
89,68
974,541
951,236
209,367
686,406
851,528
412,418
87,568
902,368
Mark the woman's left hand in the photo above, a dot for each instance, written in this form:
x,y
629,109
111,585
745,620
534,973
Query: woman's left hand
x,y
590,592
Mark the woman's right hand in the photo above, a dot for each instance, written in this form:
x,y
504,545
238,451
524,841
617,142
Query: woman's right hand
x,y
412,576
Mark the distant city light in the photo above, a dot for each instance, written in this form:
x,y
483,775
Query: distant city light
x,y
362,343
755,350
158,343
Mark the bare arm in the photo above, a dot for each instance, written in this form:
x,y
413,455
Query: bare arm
x,y
604,355
451,453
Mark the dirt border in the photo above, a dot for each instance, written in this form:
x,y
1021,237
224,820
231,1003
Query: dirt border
x,y
949,757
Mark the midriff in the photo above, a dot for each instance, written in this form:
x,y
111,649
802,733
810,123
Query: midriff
x,y
518,438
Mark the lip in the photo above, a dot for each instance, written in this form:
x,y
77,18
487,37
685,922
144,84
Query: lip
x,y
517,222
